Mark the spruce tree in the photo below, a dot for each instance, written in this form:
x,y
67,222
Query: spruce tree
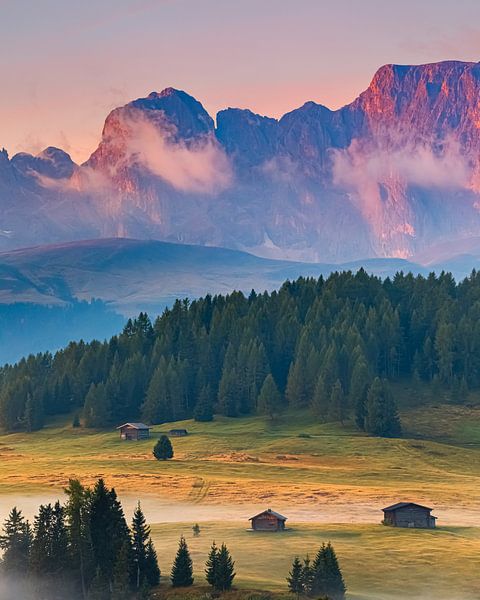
x,y
108,529
152,570
163,449
140,536
269,400
121,575
336,410
295,578
225,573
327,580
182,569
335,585
204,408
307,575
15,541
381,417
211,566
320,400
78,527
34,414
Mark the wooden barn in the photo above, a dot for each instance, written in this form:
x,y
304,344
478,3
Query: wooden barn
x,y
178,432
134,431
268,520
409,514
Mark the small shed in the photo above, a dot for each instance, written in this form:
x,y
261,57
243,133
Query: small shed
x,y
178,432
409,514
134,431
268,520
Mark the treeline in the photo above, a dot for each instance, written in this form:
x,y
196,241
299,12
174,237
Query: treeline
x,y
83,549
331,345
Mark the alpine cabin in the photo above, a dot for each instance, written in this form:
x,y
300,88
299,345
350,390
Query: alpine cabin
x,y
268,520
134,431
178,432
409,514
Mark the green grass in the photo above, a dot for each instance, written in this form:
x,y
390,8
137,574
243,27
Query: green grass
x,y
378,562
330,481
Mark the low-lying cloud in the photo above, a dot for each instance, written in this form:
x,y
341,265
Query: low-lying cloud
x,y
197,166
364,168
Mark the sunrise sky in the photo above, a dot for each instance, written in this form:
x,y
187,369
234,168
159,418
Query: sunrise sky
x,y
65,64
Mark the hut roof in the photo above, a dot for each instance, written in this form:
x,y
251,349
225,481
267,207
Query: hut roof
x,y
271,512
134,426
403,505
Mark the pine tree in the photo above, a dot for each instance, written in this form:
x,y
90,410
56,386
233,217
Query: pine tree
x,y
121,575
182,569
204,408
335,585
140,538
34,416
78,527
15,541
163,448
321,400
336,410
211,566
269,400
295,578
225,573
152,570
381,412
108,529
96,411
307,575
327,578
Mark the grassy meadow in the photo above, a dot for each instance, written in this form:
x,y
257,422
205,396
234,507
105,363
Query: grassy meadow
x,y
330,481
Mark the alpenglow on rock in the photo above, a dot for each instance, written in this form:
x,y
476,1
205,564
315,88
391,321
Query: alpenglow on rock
x,y
391,174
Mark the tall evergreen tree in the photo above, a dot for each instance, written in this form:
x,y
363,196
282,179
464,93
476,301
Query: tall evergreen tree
x,y
295,578
140,538
381,412
121,573
225,573
108,529
152,570
78,527
182,569
336,410
16,542
269,400
211,566
204,408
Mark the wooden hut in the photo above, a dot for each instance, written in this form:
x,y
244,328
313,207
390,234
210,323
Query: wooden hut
x,y
134,431
409,514
178,432
268,520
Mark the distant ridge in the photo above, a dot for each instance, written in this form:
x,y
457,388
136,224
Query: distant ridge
x,y
134,275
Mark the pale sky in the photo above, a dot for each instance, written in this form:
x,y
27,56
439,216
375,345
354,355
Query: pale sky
x,y
64,64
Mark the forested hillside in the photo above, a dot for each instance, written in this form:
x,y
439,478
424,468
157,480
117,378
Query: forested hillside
x,y
331,345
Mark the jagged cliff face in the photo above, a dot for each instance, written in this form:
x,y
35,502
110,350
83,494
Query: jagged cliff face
x,y
391,174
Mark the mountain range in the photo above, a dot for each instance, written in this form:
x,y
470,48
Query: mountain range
x,y
396,173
